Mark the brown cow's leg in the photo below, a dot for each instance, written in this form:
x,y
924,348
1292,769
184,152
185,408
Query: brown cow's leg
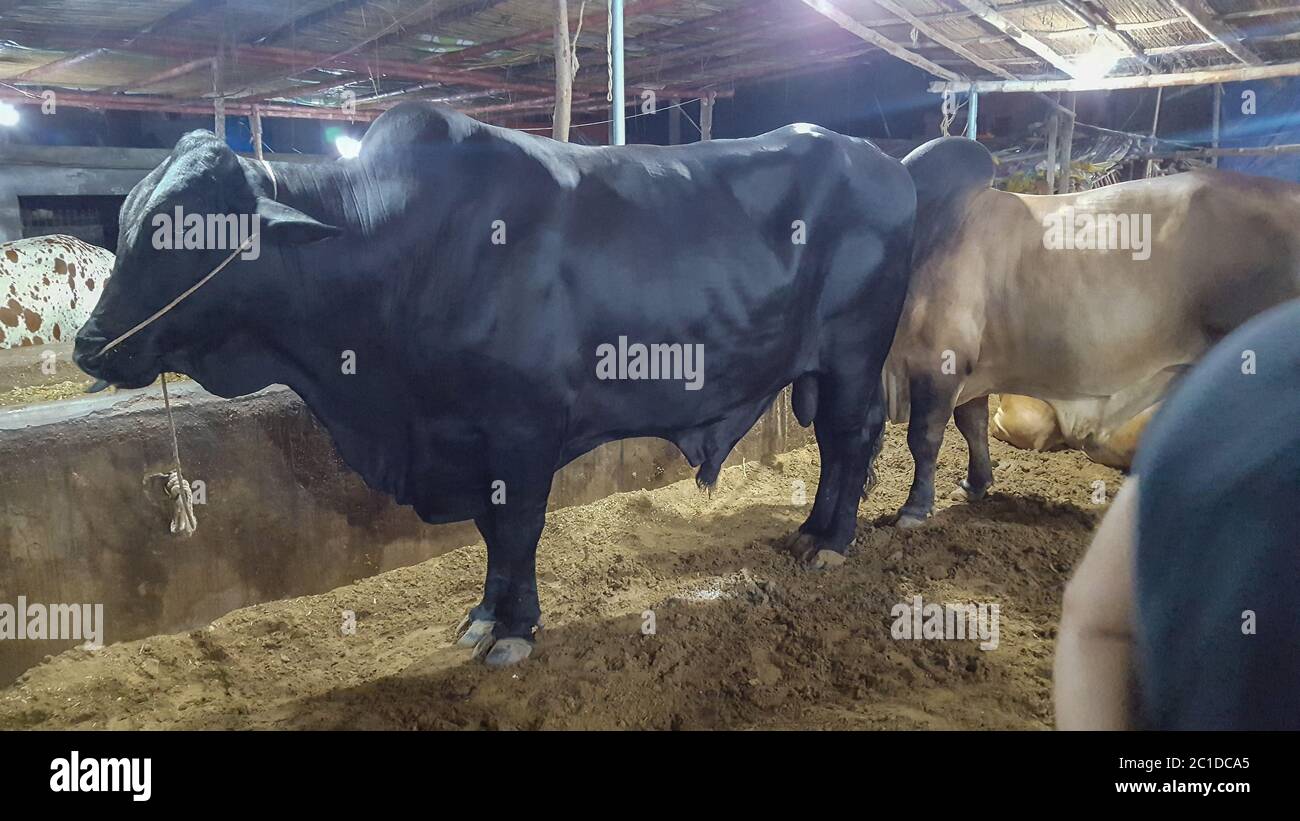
x,y
973,421
932,404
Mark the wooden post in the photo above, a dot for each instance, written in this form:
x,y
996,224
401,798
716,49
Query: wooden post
x,y
1066,146
563,72
1155,124
706,116
1218,107
1053,128
218,102
973,115
255,124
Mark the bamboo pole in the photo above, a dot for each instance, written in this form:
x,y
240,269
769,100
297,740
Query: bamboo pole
x,y
1053,130
845,21
563,73
218,100
1066,147
255,124
706,116
1182,78
1155,124
1218,107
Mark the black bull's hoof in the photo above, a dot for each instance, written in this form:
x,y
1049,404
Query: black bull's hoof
x,y
810,553
505,652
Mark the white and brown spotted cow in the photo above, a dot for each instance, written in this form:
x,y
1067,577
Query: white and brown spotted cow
x,y
48,287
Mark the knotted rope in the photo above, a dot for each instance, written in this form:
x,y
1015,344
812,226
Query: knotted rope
x,y
178,490
947,111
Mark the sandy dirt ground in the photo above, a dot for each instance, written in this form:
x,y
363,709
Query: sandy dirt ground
x,y
744,638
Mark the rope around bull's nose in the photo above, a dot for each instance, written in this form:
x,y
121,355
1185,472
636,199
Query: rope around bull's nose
x,y
178,490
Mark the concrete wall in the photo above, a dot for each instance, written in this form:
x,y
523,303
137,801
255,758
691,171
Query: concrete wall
x,y
59,171
79,522
30,170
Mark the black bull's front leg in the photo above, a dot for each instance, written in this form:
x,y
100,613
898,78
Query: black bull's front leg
x,y
501,627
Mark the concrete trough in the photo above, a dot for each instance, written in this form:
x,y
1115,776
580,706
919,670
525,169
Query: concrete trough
x,y
81,522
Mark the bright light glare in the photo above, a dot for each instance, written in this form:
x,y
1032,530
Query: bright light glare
x,y
8,115
1096,63
347,146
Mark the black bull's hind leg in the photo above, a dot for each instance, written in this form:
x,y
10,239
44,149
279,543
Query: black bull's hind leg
x,y
849,424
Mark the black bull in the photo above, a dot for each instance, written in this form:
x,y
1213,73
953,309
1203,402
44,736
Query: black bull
x,y
447,304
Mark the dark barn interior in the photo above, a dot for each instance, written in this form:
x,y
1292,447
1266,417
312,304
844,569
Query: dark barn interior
x,y
237,626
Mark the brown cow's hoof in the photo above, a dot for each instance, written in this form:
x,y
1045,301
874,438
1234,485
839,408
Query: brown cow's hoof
x,y
963,493
509,652
909,522
471,632
823,560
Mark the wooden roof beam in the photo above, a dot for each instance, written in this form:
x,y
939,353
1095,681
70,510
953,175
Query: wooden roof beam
x,y
118,102
999,21
842,19
1104,28
181,14
162,76
384,35
310,19
1252,13
942,39
1201,77
1205,19
590,22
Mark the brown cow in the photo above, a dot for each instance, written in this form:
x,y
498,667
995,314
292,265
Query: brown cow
x,y
1093,301
1033,424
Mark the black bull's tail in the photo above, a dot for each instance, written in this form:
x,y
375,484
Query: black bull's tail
x,y
947,172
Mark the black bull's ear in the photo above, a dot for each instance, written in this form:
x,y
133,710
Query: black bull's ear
x,y
285,224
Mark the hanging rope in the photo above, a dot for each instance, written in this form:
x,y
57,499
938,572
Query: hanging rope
x,y
947,111
161,312
573,47
178,490
609,51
